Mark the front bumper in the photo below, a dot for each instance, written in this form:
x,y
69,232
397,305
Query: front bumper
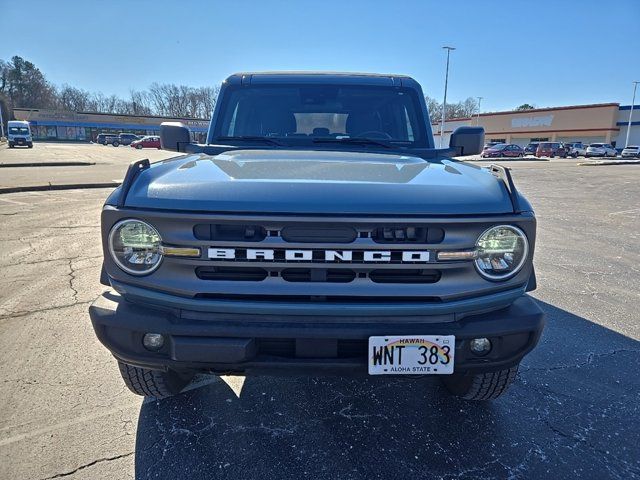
x,y
230,343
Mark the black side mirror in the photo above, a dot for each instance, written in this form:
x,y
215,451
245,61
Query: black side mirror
x,y
174,136
467,140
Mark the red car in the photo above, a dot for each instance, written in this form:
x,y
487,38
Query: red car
x,y
503,150
551,149
150,141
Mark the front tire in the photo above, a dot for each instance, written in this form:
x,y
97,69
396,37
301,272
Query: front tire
x,y
480,386
138,147
153,383
116,144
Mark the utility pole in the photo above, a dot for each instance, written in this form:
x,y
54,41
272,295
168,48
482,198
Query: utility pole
x,y
478,116
444,103
633,100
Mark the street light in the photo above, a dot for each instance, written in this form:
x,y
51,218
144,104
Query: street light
x,y
478,117
633,100
444,103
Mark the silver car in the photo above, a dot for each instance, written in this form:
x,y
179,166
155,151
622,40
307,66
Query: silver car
x,y
632,151
601,150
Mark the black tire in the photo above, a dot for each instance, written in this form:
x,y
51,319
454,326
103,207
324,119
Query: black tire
x,y
152,383
480,386
11,145
138,147
30,145
116,144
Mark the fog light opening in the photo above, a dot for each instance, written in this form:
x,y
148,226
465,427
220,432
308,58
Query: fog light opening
x,y
153,341
480,346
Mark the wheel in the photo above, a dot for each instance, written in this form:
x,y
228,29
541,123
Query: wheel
x,y
138,147
11,145
152,383
480,386
30,145
115,143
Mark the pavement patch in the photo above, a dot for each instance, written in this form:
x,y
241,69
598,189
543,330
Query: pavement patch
x,y
71,186
599,163
46,164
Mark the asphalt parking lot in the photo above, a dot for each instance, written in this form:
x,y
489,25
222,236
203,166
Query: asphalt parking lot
x,y
573,412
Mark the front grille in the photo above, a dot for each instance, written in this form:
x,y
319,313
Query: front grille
x,y
318,234
328,275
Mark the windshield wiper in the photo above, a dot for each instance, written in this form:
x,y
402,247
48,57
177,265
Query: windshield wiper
x,y
250,138
354,141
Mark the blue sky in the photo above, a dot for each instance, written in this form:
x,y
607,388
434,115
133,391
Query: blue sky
x,y
547,53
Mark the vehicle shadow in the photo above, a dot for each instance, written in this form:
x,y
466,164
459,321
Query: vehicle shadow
x,y
573,411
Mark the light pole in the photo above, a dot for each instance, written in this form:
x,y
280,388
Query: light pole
x,y
444,103
478,117
633,100
1,122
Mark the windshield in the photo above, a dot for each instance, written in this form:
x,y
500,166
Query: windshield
x,y
18,130
309,112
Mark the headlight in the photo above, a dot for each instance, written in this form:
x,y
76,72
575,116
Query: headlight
x,y
502,251
135,246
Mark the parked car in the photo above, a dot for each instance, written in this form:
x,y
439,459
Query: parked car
x,y
488,145
531,149
576,149
551,149
150,141
126,139
632,151
503,150
107,138
601,150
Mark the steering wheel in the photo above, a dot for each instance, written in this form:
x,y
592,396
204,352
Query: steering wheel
x,y
374,134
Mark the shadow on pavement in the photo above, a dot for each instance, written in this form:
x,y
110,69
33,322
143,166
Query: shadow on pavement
x,y
574,411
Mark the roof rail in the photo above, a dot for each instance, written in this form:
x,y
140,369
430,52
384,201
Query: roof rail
x,y
504,174
132,172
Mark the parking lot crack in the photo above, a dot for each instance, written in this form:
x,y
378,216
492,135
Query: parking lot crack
x,y
90,464
72,277
588,361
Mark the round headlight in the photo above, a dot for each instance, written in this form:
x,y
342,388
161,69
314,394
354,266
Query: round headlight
x,y
501,252
135,246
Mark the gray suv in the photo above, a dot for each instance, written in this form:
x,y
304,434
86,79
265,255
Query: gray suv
x,y
318,230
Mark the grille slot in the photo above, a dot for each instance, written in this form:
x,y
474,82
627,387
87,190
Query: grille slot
x,y
403,234
331,275
225,232
319,234
238,274
404,276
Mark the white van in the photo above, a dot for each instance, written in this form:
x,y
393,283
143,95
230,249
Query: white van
x,y
19,133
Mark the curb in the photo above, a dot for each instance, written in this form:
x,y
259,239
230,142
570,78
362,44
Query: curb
x,y
609,162
46,164
70,186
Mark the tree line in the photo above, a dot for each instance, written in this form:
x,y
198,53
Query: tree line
x,y
23,85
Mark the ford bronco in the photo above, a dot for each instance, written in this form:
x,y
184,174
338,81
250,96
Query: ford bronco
x,y
318,230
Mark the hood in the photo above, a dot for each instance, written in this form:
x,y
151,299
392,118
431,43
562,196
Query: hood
x,y
318,182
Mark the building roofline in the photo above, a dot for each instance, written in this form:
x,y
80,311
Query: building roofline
x,y
21,109
535,110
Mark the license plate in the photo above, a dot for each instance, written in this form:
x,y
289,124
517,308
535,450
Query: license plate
x,y
411,355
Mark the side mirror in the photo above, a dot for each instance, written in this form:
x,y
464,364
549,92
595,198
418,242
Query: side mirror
x,y
467,140
174,136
